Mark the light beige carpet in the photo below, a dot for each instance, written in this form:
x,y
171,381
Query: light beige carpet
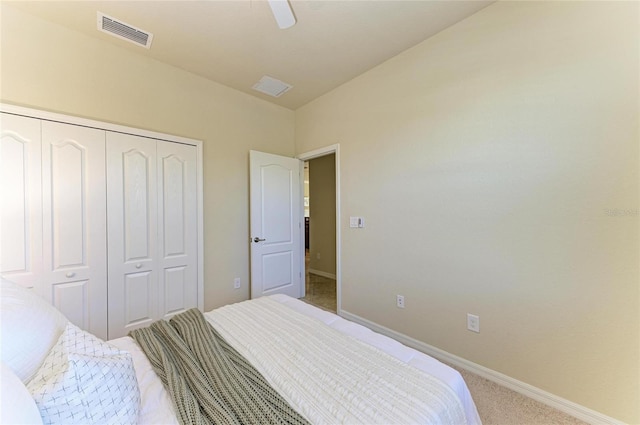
x,y
498,405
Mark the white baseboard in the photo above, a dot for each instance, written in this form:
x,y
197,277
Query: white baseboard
x,y
323,274
578,411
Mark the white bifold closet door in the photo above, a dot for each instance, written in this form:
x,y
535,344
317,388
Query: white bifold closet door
x,y
177,227
52,218
74,223
132,210
152,230
20,200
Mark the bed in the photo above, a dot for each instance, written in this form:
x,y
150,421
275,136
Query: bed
x,y
309,356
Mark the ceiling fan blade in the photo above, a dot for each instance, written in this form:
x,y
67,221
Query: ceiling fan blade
x,y
283,13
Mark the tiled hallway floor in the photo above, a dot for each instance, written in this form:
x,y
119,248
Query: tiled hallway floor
x,y
320,290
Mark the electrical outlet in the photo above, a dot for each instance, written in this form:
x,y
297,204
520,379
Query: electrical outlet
x,y
473,323
318,255
400,301
236,283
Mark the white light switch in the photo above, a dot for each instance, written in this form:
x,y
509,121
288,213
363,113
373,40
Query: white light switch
x,y
356,222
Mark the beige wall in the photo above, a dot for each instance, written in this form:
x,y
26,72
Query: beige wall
x,y
496,166
46,66
322,222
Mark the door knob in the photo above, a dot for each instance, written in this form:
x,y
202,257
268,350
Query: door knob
x,y
257,239
138,265
70,274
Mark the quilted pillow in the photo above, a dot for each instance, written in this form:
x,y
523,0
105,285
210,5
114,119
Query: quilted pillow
x,y
29,325
85,380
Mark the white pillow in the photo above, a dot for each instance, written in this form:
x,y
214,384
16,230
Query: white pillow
x,y
30,326
85,380
16,404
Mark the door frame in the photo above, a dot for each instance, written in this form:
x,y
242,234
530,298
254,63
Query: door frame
x,y
306,156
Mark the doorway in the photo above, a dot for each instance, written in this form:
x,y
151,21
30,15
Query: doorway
x,y
321,249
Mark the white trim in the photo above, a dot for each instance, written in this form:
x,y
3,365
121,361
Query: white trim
x,y
303,256
576,410
317,153
200,184
328,150
323,274
83,122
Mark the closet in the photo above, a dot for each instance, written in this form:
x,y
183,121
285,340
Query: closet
x,y
151,189
103,221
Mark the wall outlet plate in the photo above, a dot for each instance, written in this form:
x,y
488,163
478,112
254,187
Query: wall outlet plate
x,y
473,323
356,222
236,283
400,301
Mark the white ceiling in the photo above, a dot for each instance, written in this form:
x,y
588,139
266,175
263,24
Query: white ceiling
x,y
235,42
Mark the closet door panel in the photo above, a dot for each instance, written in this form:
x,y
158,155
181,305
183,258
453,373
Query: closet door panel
x,y
177,230
74,223
132,219
72,298
175,281
68,199
139,302
20,199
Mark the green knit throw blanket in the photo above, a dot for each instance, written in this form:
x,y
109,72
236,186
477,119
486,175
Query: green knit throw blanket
x,y
208,380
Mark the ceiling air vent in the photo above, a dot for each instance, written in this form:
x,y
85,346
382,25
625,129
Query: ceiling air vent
x,y
124,31
271,86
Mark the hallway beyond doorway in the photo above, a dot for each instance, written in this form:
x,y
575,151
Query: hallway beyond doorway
x,y
320,291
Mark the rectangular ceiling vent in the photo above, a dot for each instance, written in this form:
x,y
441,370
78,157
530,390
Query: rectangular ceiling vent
x,y
271,86
124,31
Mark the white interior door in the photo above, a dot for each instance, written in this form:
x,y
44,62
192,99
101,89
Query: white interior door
x,y
132,212
276,226
20,200
74,223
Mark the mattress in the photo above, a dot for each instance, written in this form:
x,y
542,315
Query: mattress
x,y
157,407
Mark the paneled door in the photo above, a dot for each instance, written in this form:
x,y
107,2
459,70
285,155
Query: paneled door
x,y
177,227
20,199
103,221
74,223
276,226
132,226
153,230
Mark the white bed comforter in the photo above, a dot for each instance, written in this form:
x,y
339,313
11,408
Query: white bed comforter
x,y
330,377
366,385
